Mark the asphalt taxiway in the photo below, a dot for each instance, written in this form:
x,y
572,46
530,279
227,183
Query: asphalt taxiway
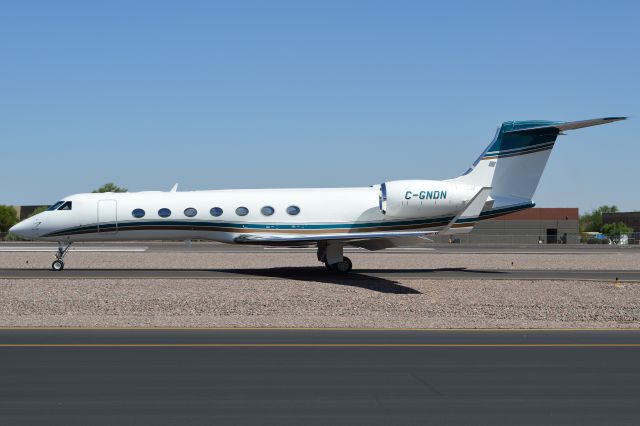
x,y
316,273
318,376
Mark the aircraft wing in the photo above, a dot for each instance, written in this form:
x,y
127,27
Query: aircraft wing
x,y
378,240
368,240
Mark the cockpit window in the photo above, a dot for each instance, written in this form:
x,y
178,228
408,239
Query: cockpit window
x,y
65,206
55,206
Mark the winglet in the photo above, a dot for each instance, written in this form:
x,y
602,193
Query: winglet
x,y
463,221
174,188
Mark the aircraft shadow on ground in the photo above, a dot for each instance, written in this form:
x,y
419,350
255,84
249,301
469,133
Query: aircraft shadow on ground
x,y
359,279
362,278
461,270
354,279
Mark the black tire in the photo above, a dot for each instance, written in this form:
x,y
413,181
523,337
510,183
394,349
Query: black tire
x,y
57,265
349,264
343,267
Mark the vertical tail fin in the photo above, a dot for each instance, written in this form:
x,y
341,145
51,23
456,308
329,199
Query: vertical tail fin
x,y
513,162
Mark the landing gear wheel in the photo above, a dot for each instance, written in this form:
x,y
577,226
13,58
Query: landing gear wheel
x,y
346,264
57,265
342,267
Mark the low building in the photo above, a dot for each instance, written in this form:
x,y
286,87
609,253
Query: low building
x,y
631,219
531,226
25,211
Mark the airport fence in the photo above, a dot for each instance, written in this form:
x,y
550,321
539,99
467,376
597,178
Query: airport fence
x,y
482,238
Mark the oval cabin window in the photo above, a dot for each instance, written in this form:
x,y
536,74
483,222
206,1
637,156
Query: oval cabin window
x,y
137,213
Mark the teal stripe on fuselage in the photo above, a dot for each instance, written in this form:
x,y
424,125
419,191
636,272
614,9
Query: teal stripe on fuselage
x,y
196,224
496,212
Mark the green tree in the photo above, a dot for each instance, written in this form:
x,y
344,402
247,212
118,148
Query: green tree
x,y
14,237
592,222
614,231
110,187
8,218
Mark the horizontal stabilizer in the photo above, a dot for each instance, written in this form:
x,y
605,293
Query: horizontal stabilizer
x,y
513,162
569,125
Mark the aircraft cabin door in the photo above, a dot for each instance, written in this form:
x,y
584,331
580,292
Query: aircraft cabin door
x,y
107,216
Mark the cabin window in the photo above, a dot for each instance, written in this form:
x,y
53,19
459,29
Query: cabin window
x,y
267,210
164,212
190,212
138,213
216,211
242,211
293,210
55,206
65,206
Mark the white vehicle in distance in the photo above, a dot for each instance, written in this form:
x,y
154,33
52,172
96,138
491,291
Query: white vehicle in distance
x,y
502,180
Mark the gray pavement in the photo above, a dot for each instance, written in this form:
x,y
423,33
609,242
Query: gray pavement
x,y
315,376
320,273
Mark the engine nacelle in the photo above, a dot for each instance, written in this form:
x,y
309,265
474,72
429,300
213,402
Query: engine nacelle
x,y
423,198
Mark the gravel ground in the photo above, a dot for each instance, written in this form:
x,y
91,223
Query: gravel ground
x,y
415,303
361,260
334,302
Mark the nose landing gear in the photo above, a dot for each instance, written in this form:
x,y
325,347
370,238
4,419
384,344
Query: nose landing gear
x,y
58,264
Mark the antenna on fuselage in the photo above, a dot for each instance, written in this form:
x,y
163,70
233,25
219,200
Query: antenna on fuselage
x,y
175,188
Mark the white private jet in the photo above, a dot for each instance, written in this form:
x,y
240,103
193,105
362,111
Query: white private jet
x,y
502,180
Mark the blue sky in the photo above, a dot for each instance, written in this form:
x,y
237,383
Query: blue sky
x,y
301,93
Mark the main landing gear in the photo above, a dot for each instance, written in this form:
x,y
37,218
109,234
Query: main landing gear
x,y
332,254
343,267
58,264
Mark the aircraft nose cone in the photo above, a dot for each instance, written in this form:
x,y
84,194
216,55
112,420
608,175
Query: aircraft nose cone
x,y
21,229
